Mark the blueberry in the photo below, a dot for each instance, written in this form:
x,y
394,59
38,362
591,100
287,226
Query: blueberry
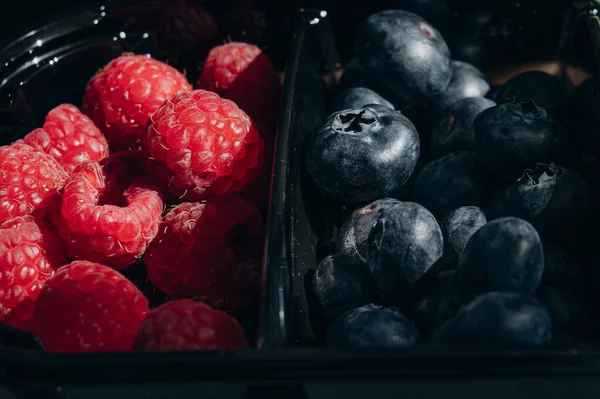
x,y
497,318
561,271
467,81
466,46
457,228
453,132
436,302
363,154
341,283
403,244
435,11
497,130
354,234
547,91
555,200
567,313
355,75
405,53
451,182
473,20
504,255
358,97
372,326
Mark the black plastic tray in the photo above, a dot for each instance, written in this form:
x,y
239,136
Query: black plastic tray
x,y
302,226
286,365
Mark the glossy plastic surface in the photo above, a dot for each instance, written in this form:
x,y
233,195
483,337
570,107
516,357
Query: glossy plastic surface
x,y
310,229
47,64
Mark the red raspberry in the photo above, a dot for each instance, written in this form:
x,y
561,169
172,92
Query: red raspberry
x,y
29,253
70,137
189,325
88,307
209,250
121,97
28,179
199,144
244,74
101,223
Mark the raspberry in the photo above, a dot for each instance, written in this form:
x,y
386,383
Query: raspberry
x,y
28,179
189,325
121,97
244,74
70,137
100,222
29,254
209,250
88,307
199,144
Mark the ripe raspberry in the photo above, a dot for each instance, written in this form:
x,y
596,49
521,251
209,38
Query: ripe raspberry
x,y
100,222
88,307
28,179
189,325
121,97
244,74
29,253
199,144
70,137
210,250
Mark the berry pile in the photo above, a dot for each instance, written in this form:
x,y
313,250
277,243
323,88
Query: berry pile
x,y
168,201
463,214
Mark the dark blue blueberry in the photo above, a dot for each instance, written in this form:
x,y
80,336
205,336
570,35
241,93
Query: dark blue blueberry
x,y
497,318
466,46
436,302
457,228
355,76
510,138
405,53
358,97
467,81
473,20
363,154
567,313
372,326
437,12
341,283
555,200
353,236
453,132
547,91
561,271
404,243
504,255
451,182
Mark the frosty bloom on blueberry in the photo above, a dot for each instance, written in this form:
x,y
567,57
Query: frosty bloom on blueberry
x,y
363,154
